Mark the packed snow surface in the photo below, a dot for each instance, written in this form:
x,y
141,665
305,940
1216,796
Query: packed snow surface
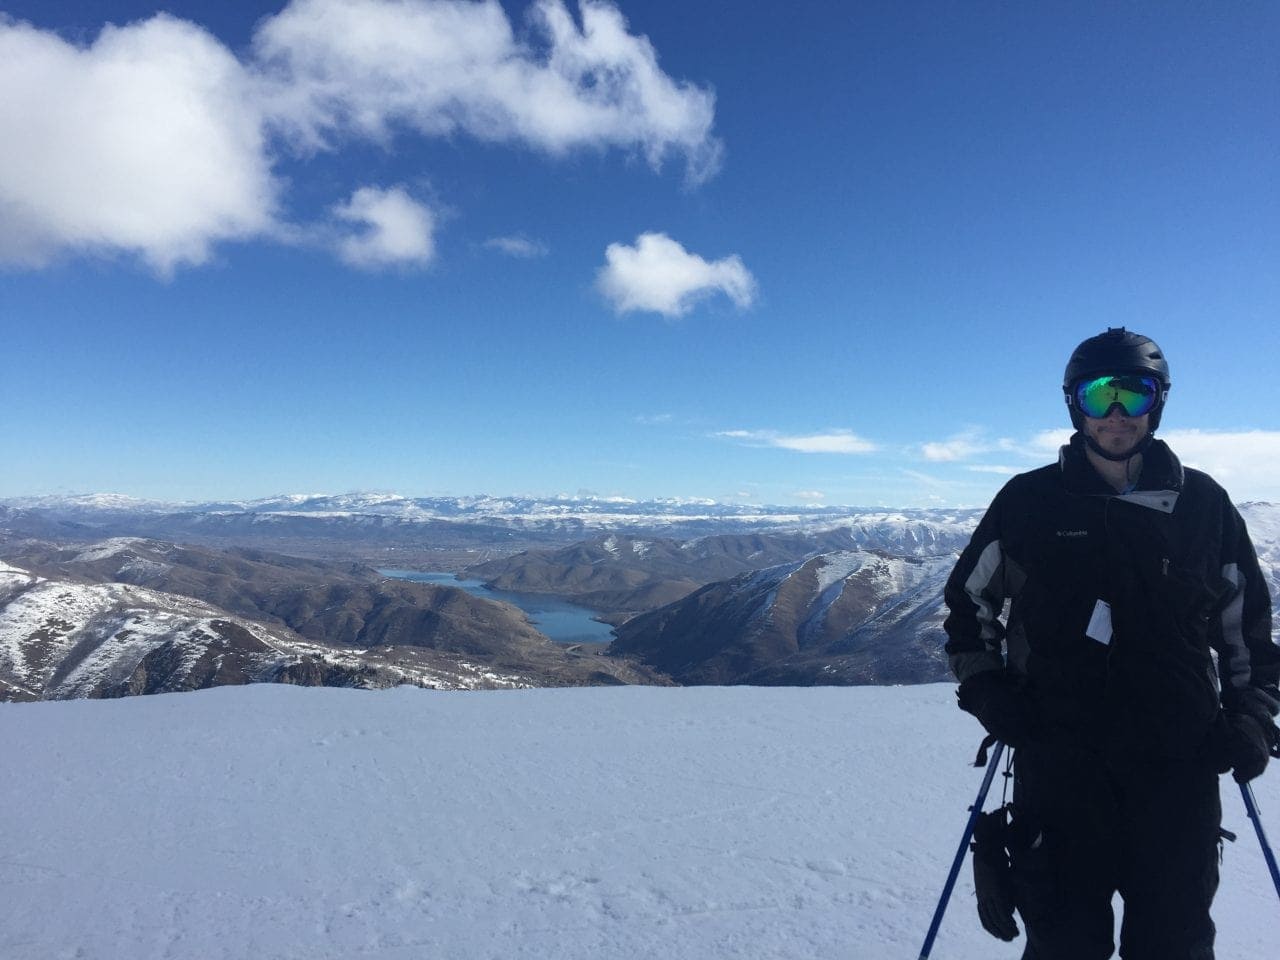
x,y
583,824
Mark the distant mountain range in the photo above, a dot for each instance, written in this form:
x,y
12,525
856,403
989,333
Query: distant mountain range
x,y
434,533
376,514
608,510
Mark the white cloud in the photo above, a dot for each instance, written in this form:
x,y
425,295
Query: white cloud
x,y
1242,461
994,468
837,441
517,246
442,67
810,496
396,229
957,448
145,142
156,141
660,276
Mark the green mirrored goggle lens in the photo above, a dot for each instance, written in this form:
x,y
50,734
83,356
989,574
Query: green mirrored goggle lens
x,y
1135,394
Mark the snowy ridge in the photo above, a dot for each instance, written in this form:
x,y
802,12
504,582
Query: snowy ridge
x,y
770,580
888,577
832,568
109,628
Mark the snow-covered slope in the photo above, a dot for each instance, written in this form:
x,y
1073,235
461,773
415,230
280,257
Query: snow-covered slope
x,y
855,616
630,823
62,639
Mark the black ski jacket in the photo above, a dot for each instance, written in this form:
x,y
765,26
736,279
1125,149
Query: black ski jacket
x,y
1170,565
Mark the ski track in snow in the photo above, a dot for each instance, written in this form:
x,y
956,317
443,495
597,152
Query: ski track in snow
x,y
610,824
106,548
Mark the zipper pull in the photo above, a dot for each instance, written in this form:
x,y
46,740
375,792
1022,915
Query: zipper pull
x,y
1164,567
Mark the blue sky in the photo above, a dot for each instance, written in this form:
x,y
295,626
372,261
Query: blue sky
x,y
814,252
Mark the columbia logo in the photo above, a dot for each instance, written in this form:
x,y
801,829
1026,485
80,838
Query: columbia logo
x,y
1073,533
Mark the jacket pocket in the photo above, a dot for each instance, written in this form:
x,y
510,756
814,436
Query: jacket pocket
x,y
1162,690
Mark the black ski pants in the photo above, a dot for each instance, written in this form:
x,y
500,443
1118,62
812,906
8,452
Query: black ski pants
x,y
1086,827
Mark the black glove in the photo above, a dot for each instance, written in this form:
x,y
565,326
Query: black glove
x,y
1249,743
993,876
994,698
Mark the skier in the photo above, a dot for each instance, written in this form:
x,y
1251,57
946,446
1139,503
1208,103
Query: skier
x,y
1123,570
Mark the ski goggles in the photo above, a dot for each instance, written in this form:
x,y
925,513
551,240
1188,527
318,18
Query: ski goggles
x,y
1135,393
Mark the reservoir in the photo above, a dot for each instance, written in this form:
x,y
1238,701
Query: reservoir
x,y
560,620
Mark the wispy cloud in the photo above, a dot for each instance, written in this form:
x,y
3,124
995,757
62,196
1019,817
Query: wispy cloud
x,y
155,140
836,441
441,68
810,496
929,480
394,229
518,246
975,443
659,275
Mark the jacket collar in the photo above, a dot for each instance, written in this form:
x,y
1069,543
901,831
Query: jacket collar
x,y
1158,485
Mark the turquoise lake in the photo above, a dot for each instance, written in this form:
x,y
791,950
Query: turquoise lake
x,y
560,620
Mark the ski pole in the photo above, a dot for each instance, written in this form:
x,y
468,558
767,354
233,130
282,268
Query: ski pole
x,y
1251,805
974,812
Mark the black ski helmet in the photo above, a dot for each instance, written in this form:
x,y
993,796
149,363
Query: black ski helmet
x,y
1116,351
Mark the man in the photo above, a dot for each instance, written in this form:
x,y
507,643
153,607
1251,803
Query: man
x,y
1123,570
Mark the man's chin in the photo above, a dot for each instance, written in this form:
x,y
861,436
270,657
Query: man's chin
x,y
1118,442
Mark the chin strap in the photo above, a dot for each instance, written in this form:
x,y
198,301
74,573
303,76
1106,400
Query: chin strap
x,y
1133,451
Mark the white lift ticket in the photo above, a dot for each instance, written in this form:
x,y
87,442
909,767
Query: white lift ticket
x,y
1100,623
